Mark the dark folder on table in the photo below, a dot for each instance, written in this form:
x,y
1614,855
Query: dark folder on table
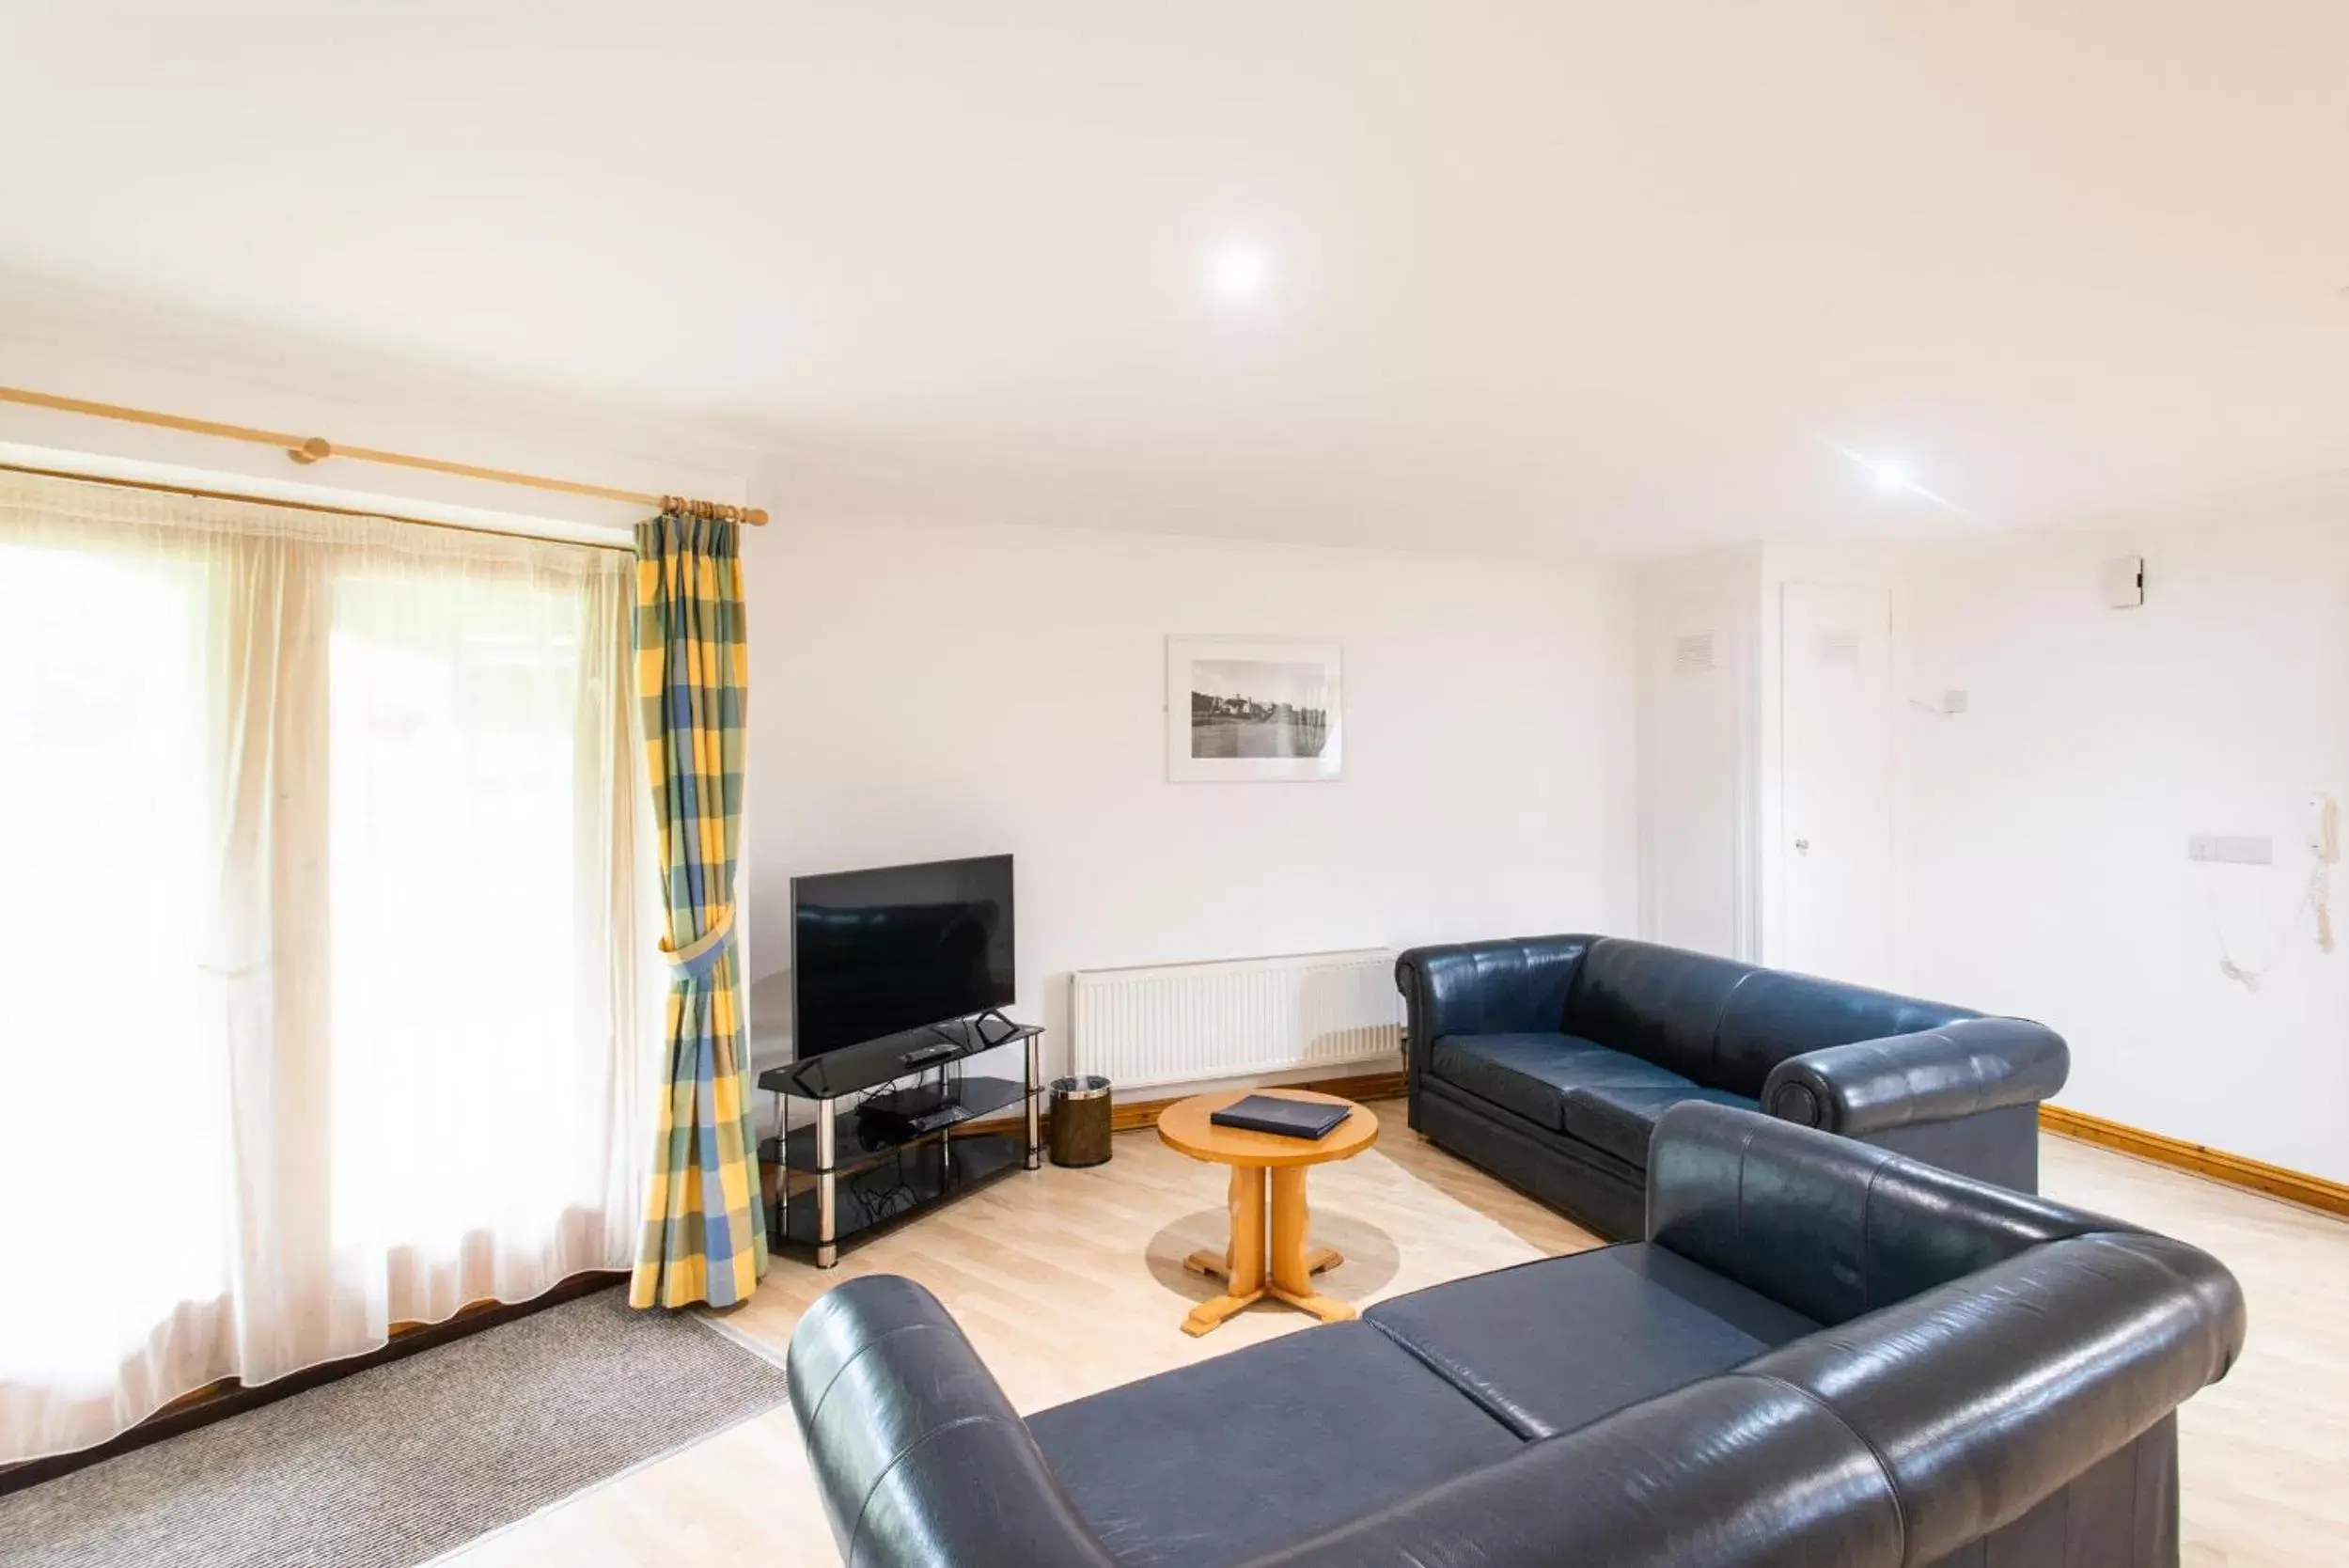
x,y
1270,1113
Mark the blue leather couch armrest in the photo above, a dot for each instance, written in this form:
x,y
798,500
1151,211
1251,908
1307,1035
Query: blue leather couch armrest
x,y
1985,1396
1830,1227
920,1457
1513,985
1959,1069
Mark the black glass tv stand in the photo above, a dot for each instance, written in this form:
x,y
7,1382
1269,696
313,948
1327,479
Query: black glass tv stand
x,y
883,1145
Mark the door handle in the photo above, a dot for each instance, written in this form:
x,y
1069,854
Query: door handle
x,y
1802,846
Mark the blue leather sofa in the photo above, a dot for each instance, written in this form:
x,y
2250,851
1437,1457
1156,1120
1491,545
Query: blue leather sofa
x,y
1548,1059
1824,1355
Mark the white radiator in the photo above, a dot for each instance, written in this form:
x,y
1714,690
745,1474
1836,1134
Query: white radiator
x,y
1185,1022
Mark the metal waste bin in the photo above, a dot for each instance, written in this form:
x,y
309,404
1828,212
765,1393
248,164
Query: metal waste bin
x,y
1080,1121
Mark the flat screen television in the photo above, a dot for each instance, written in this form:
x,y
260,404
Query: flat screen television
x,y
879,952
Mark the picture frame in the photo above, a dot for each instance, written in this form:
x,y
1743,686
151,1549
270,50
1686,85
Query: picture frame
x,y
1254,710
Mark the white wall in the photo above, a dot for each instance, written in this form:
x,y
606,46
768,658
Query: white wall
x,y
2046,826
921,692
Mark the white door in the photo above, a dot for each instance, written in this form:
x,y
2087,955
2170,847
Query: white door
x,y
1834,852
1694,714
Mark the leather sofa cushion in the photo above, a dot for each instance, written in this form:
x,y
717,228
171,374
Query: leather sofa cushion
x,y
1554,1346
1659,1004
1530,1074
1621,1120
1225,1459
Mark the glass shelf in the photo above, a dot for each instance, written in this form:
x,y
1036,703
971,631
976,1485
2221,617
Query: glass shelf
x,y
905,1183
854,1145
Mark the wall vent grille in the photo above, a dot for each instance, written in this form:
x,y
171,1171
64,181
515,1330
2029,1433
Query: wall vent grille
x,y
1692,653
1839,649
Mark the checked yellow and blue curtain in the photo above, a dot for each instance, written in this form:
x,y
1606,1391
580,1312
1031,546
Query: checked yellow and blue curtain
x,y
704,1239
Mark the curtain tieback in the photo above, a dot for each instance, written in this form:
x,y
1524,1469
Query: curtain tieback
x,y
696,958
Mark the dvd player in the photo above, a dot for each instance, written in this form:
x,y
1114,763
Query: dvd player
x,y
905,1113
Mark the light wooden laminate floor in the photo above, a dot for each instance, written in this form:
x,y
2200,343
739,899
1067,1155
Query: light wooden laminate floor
x,y
1069,1281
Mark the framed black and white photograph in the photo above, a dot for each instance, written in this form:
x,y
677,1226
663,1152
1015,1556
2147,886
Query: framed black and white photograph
x,y
1247,708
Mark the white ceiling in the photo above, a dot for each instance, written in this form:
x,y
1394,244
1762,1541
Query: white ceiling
x,y
1546,275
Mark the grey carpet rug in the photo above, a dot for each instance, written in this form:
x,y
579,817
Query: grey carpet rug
x,y
401,1463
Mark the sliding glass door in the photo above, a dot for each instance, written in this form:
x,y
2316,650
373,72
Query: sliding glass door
x,y
117,1224
477,746
324,999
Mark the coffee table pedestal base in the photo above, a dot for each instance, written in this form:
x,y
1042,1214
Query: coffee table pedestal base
x,y
1268,1255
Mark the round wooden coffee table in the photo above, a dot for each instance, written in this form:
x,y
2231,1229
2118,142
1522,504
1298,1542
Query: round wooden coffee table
x,y
1265,1261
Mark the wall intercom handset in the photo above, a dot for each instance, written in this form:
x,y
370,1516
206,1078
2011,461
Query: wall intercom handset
x,y
2323,828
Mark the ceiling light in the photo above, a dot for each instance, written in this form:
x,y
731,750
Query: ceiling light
x,y
1892,476
1239,272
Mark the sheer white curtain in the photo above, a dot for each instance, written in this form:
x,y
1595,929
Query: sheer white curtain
x,y
324,996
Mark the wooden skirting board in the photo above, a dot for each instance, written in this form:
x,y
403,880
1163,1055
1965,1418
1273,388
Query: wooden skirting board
x,y
1126,1115
2218,1165
2235,1171
1367,1086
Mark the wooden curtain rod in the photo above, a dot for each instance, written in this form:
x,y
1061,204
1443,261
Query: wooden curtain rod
x,y
312,448
249,498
